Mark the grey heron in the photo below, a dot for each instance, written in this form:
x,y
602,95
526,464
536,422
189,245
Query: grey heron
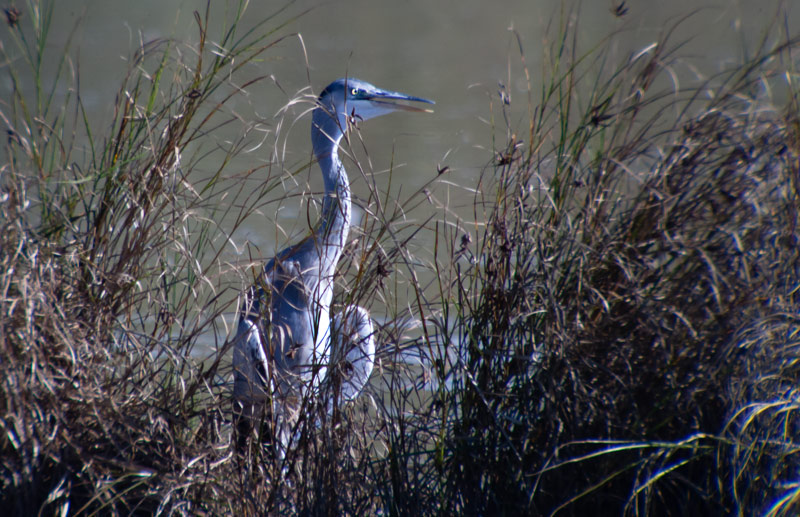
x,y
286,334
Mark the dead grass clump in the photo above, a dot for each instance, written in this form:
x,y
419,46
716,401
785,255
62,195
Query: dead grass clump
x,y
111,271
629,317
620,337
115,267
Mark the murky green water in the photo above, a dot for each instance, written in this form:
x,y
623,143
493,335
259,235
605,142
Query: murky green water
x,y
452,51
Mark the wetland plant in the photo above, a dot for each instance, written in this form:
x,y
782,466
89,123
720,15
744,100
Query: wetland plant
x,y
615,331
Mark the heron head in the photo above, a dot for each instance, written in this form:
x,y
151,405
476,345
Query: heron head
x,y
349,97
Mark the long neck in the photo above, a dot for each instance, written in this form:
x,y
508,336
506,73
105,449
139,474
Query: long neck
x,y
331,231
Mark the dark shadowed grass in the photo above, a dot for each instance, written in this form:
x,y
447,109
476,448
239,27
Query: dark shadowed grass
x,y
614,333
630,311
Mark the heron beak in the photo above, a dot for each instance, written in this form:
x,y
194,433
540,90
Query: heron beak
x,y
388,100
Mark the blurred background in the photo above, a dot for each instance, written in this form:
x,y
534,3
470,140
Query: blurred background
x,y
458,53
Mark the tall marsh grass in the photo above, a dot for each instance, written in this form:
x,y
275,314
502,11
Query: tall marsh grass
x,y
616,331
630,317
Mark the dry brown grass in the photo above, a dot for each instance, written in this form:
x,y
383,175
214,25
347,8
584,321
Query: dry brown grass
x,y
619,337
631,321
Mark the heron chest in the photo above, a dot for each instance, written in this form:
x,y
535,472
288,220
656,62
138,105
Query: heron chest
x,y
300,315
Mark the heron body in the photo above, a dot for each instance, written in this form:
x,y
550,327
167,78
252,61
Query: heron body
x,y
285,337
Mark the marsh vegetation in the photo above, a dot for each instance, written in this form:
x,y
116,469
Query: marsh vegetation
x,y
614,331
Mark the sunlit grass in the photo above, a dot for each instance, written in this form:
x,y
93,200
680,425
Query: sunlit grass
x,y
614,333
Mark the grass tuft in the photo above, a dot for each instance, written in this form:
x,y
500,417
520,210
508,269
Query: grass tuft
x,y
614,333
628,315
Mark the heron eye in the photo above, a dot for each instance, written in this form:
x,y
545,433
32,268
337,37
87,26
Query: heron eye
x,y
354,91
